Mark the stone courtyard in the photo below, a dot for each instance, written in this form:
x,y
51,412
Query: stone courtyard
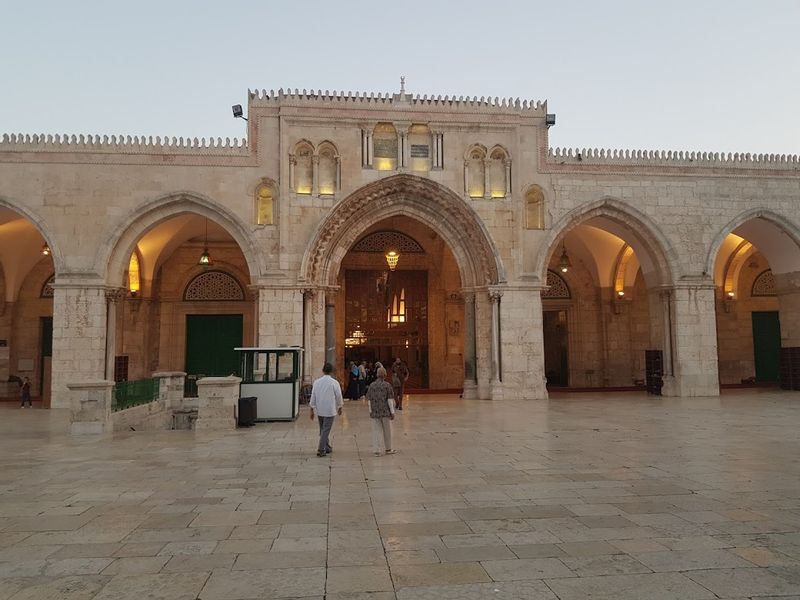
x,y
617,496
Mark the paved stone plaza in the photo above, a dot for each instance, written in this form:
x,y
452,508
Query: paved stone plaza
x,y
617,496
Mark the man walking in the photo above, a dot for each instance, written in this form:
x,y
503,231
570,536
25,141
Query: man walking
x,y
326,402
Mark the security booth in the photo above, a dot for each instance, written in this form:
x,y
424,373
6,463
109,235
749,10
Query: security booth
x,y
272,376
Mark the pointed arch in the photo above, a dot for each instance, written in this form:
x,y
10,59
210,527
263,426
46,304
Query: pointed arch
x,y
785,254
426,201
657,257
115,251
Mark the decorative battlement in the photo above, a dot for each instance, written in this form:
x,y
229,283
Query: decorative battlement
x,y
265,98
18,142
672,158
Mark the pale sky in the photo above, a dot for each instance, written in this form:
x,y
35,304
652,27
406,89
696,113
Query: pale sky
x,y
675,75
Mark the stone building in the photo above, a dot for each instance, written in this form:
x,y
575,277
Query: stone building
x,y
520,266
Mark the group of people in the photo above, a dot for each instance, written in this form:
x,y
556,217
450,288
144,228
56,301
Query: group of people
x,y
362,375
365,381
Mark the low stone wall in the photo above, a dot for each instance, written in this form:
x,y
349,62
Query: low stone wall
x,y
145,417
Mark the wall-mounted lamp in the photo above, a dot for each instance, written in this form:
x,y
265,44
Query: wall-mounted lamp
x,y
728,301
620,294
564,263
46,250
392,256
205,257
238,113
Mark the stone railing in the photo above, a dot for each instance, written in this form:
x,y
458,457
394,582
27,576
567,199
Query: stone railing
x,y
217,403
671,158
104,144
268,98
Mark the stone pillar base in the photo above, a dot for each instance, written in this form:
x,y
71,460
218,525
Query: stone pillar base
x,y
217,403
170,389
470,391
497,390
90,407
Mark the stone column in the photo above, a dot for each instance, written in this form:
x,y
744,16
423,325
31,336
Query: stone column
x,y
292,166
507,165
497,365
787,288
522,343
487,179
170,388
280,315
694,339
79,335
308,312
217,403
466,178
315,175
470,371
90,407
113,297
483,344
403,139
330,329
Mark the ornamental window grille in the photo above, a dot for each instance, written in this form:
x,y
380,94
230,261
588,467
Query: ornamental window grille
x,y
381,241
557,288
764,284
47,288
214,286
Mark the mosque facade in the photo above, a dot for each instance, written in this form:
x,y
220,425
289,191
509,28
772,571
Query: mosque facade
x,y
520,268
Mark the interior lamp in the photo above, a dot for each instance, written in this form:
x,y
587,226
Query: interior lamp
x,y
205,257
392,256
564,263
46,250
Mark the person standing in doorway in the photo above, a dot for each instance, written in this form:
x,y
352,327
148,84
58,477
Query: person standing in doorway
x,y
25,390
326,402
399,378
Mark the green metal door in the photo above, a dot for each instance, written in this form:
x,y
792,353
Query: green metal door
x,y
210,340
766,345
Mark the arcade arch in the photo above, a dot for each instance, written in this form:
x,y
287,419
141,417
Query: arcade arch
x,y
27,265
755,261
618,268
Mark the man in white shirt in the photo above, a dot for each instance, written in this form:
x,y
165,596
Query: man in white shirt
x,y
326,402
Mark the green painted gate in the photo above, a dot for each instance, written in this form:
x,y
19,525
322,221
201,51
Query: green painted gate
x,y
210,340
766,345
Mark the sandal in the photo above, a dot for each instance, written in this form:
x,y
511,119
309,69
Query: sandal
x,y
391,452
378,453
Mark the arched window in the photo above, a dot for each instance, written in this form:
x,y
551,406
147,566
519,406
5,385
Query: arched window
x,y
328,169
557,288
265,203
764,284
134,274
47,288
384,143
499,173
213,286
303,168
534,208
475,166
419,141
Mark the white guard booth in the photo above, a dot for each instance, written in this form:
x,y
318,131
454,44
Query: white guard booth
x,y
273,376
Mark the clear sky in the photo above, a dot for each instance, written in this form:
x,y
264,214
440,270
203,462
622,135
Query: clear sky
x,y
679,75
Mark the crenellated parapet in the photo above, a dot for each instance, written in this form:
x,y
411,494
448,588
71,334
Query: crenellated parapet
x,y
672,158
263,97
121,144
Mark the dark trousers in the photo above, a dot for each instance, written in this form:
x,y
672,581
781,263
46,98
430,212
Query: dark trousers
x,y
325,424
26,397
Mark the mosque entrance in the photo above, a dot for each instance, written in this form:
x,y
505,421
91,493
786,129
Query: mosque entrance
x,y
386,316
407,304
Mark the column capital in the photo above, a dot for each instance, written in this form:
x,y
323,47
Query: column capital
x,y
115,294
495,295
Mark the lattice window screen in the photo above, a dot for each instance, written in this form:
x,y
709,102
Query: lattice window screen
x,y
558,288
381,241
764,285
47,288
213,285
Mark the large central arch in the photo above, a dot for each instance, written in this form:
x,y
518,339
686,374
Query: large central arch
x,y
426,201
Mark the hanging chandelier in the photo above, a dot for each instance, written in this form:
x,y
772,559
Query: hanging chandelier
x,y
564,263
205,257
392,256
46,249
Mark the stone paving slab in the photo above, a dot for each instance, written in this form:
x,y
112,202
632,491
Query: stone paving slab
x,y
591,496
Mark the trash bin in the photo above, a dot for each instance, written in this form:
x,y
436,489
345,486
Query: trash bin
x,y
247,411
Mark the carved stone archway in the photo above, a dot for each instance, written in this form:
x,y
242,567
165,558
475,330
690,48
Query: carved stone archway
x,y
430,203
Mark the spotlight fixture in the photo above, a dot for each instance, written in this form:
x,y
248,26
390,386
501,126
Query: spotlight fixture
x,y
731,294
564,263
392,256
205,257
46,250
550,119
238,113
